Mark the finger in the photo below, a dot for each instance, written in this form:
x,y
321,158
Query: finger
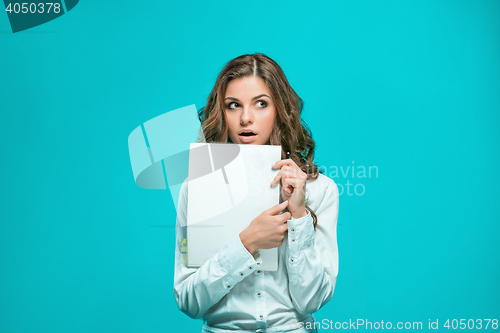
x,y
286,216
276,179
277,164
286,196
289,172
283,218
286,161
285,171
277,208
289,184
288,190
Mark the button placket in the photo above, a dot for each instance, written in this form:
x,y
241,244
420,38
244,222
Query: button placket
x,y
293,236
259,290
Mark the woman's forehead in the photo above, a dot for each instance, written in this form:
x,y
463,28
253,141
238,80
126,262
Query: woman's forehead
x,y
248,86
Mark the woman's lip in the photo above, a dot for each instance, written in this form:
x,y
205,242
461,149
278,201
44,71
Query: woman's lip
x,y
247,138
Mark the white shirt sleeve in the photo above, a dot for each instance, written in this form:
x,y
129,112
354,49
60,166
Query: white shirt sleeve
x,y
313,260
197,289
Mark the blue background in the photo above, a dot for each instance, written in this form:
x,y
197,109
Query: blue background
x,y
411,87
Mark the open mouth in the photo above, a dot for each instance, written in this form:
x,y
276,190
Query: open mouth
x,y
247,135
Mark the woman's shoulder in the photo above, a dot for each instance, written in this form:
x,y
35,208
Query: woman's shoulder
x,y
318,189
321,182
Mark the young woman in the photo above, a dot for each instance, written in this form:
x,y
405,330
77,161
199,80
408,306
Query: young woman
x,y
253,103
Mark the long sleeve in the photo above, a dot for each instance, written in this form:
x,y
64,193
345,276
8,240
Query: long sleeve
x,y
312,260
196,290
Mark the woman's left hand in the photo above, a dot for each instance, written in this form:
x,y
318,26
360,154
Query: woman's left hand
x,y
293,186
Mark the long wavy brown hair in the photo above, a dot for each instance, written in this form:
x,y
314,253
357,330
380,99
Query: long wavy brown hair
x,y
290,131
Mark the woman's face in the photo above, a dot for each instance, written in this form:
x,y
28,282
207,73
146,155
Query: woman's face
x,y
249,109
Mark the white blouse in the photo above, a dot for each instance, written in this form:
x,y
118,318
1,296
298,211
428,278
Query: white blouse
x,y
230,292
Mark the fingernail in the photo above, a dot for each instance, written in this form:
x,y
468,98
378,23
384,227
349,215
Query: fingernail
x,y
284,202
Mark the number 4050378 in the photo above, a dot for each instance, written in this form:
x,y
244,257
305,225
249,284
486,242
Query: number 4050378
x,y
32,7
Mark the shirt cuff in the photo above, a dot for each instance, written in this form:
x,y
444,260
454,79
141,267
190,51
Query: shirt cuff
x,y
237,262
300,232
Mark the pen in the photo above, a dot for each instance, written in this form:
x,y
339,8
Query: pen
x,y
287,154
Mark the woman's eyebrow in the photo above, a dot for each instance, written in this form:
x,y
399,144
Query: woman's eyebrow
x,y
262,95
256,97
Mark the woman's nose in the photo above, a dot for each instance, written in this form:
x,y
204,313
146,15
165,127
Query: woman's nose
x,y
246,116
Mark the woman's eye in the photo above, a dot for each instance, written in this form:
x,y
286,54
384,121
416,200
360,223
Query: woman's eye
x,y
262,104
232,105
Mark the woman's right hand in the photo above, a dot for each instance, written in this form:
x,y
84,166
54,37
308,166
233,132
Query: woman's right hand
x,y
267,230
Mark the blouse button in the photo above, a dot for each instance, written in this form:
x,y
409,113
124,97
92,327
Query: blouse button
x,y
259,271
241,273
261,317
291,259
228,287
259,294
293,229
250,267
293,240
